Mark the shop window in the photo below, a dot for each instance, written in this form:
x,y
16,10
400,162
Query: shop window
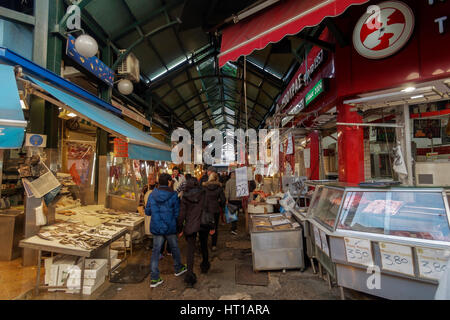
x,y
23,6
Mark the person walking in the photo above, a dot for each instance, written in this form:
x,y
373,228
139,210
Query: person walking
x,y
215,200
192,208
231,197
163,206
178,181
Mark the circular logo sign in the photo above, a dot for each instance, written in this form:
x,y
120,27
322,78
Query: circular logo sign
x,y
36,140
383,30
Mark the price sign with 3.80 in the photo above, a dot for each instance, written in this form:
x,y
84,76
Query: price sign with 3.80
x,y
432,262
358,251
397,258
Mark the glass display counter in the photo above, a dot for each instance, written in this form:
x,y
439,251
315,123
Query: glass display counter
x,y
399,234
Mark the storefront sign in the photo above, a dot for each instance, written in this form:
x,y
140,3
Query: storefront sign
x,y
93,65
397,258
120,148
298,107
383,30
314,92
286,120
300,81
432,263
358,251
36,140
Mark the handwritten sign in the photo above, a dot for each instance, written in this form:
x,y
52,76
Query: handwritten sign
x,y
323,239
317,237
241,182
432,262
358,251
397,258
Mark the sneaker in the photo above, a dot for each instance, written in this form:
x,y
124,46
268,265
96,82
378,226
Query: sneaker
x,y
155,283
214,249
182,270
234,232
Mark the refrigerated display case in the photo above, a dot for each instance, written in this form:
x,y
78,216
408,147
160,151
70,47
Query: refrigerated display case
x,y
392,242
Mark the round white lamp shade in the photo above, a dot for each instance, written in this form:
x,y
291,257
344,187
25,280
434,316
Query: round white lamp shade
x,y
125,87
86,46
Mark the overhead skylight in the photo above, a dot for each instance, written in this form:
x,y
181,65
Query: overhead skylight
x,y
229,111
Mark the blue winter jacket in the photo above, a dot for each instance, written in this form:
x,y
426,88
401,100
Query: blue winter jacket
x,y
163,205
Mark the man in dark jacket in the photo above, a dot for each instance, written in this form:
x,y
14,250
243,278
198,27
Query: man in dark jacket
x,y
190,223
163,206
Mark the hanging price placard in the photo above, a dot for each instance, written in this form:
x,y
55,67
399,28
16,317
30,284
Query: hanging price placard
x,y
397,258
241,182
432,262
358,251
323,239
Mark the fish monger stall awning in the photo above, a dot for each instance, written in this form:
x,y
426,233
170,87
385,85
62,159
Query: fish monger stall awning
x,y
141,146
270,26
12,121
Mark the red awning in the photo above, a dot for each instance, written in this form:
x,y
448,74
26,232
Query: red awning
x,y
270,26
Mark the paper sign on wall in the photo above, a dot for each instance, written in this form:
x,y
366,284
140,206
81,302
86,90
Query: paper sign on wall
x,y
307,158
397,258
241,182
358,251
432,262
290,145
317,237
323,239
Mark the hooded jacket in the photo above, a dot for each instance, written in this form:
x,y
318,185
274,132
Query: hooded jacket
x,y
215,198
230,190
163,206
191,208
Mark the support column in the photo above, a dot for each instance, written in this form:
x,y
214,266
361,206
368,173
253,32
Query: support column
x,y
350,146
313,146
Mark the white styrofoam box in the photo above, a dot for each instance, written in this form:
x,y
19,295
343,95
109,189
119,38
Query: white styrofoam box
x,y
56,270
87,290
114,254
115,263
75,283
91,272
48,262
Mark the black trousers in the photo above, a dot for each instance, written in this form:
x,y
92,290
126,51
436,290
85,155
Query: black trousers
x,y
203,235
216,235
237,203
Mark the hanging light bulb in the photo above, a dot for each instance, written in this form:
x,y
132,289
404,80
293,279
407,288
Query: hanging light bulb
x,y
86,46
125,87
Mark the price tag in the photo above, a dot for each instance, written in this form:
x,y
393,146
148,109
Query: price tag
x,y
397,258
432,262
358,251
323,239
317,237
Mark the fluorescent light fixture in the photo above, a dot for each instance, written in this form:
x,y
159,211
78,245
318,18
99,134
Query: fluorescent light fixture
x,y
417,97
72,115
409,89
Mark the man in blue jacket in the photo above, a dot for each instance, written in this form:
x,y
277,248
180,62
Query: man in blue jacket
x,y
163,205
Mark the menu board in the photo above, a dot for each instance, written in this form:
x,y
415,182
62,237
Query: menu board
x,y
358,251
397,258
432,262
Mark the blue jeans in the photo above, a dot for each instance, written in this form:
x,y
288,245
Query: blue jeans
x,y
158,241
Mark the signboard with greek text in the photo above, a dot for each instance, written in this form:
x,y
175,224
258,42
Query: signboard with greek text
x,y
397,258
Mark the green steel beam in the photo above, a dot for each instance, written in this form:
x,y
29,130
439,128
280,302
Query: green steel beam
x,y
16,16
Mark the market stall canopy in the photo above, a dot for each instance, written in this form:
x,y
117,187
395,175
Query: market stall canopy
x,y
12,121
141,146
270,26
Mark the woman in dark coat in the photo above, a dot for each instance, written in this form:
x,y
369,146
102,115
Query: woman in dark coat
x,y
215,200
190,223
